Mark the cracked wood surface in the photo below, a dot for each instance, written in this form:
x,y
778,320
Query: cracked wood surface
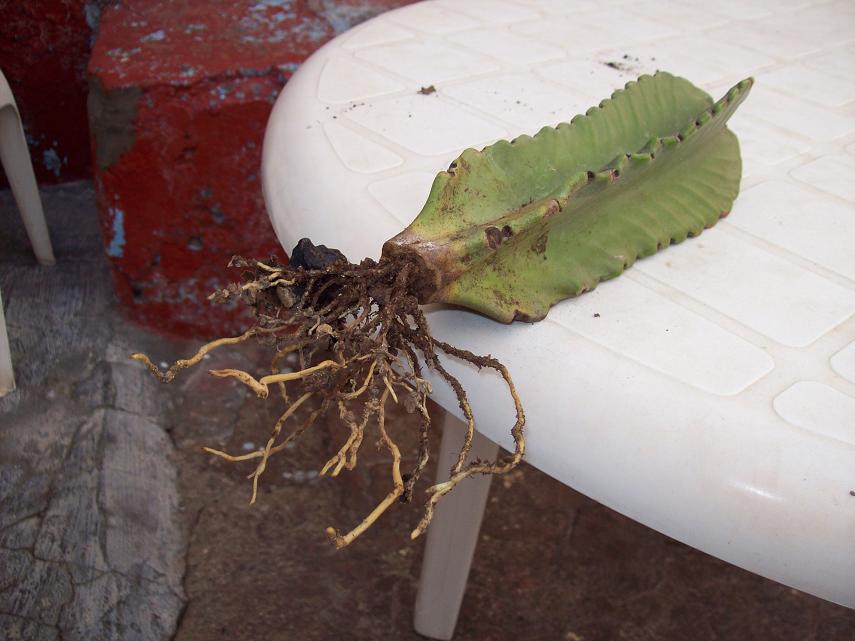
x,y
91,545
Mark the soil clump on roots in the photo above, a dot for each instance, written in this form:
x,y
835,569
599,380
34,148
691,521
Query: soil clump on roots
x,y
354,337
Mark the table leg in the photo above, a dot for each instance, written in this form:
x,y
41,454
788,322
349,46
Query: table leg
x,y
15,158
7,377
452,536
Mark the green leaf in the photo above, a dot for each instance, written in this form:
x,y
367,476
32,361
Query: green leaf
x,y
519,226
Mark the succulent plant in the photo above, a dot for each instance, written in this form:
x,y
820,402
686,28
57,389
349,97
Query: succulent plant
x,y
519,226
507,231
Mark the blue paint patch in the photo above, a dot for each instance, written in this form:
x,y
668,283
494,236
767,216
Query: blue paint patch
x,y
123,54
154,36
117,244
312,29
52,162
342,17
217,214
92,13
281,4
246,72
185,293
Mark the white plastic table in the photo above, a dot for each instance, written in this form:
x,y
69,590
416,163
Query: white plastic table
x,y
709,392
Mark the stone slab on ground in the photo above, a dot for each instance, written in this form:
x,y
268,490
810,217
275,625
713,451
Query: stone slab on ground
x,y
180,94
91,542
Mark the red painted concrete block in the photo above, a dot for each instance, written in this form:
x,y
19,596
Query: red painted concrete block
x,y
180,93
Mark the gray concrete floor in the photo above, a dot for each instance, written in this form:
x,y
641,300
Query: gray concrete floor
x,y
114,524
91,545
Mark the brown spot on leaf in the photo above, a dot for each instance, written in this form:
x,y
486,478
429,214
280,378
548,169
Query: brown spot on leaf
x,y
523,317
507,232
494,237
552,209
539,246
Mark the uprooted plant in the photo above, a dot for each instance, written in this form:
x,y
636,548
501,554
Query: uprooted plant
x,y
507,231
357,332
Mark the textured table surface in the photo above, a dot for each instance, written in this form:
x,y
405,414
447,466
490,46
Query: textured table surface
x,y
709,392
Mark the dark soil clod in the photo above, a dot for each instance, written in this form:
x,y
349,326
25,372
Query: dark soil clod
x,y
494,237
310,256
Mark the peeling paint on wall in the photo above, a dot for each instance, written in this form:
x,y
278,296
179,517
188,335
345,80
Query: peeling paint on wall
x,y
154,36
342,15
52,162
112,115
116,248
181,94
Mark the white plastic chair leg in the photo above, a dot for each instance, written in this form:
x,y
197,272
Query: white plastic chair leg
x,y
15,157
7,376
452,536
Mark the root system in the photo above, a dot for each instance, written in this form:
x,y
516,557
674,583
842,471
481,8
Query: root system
x,y
359,339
